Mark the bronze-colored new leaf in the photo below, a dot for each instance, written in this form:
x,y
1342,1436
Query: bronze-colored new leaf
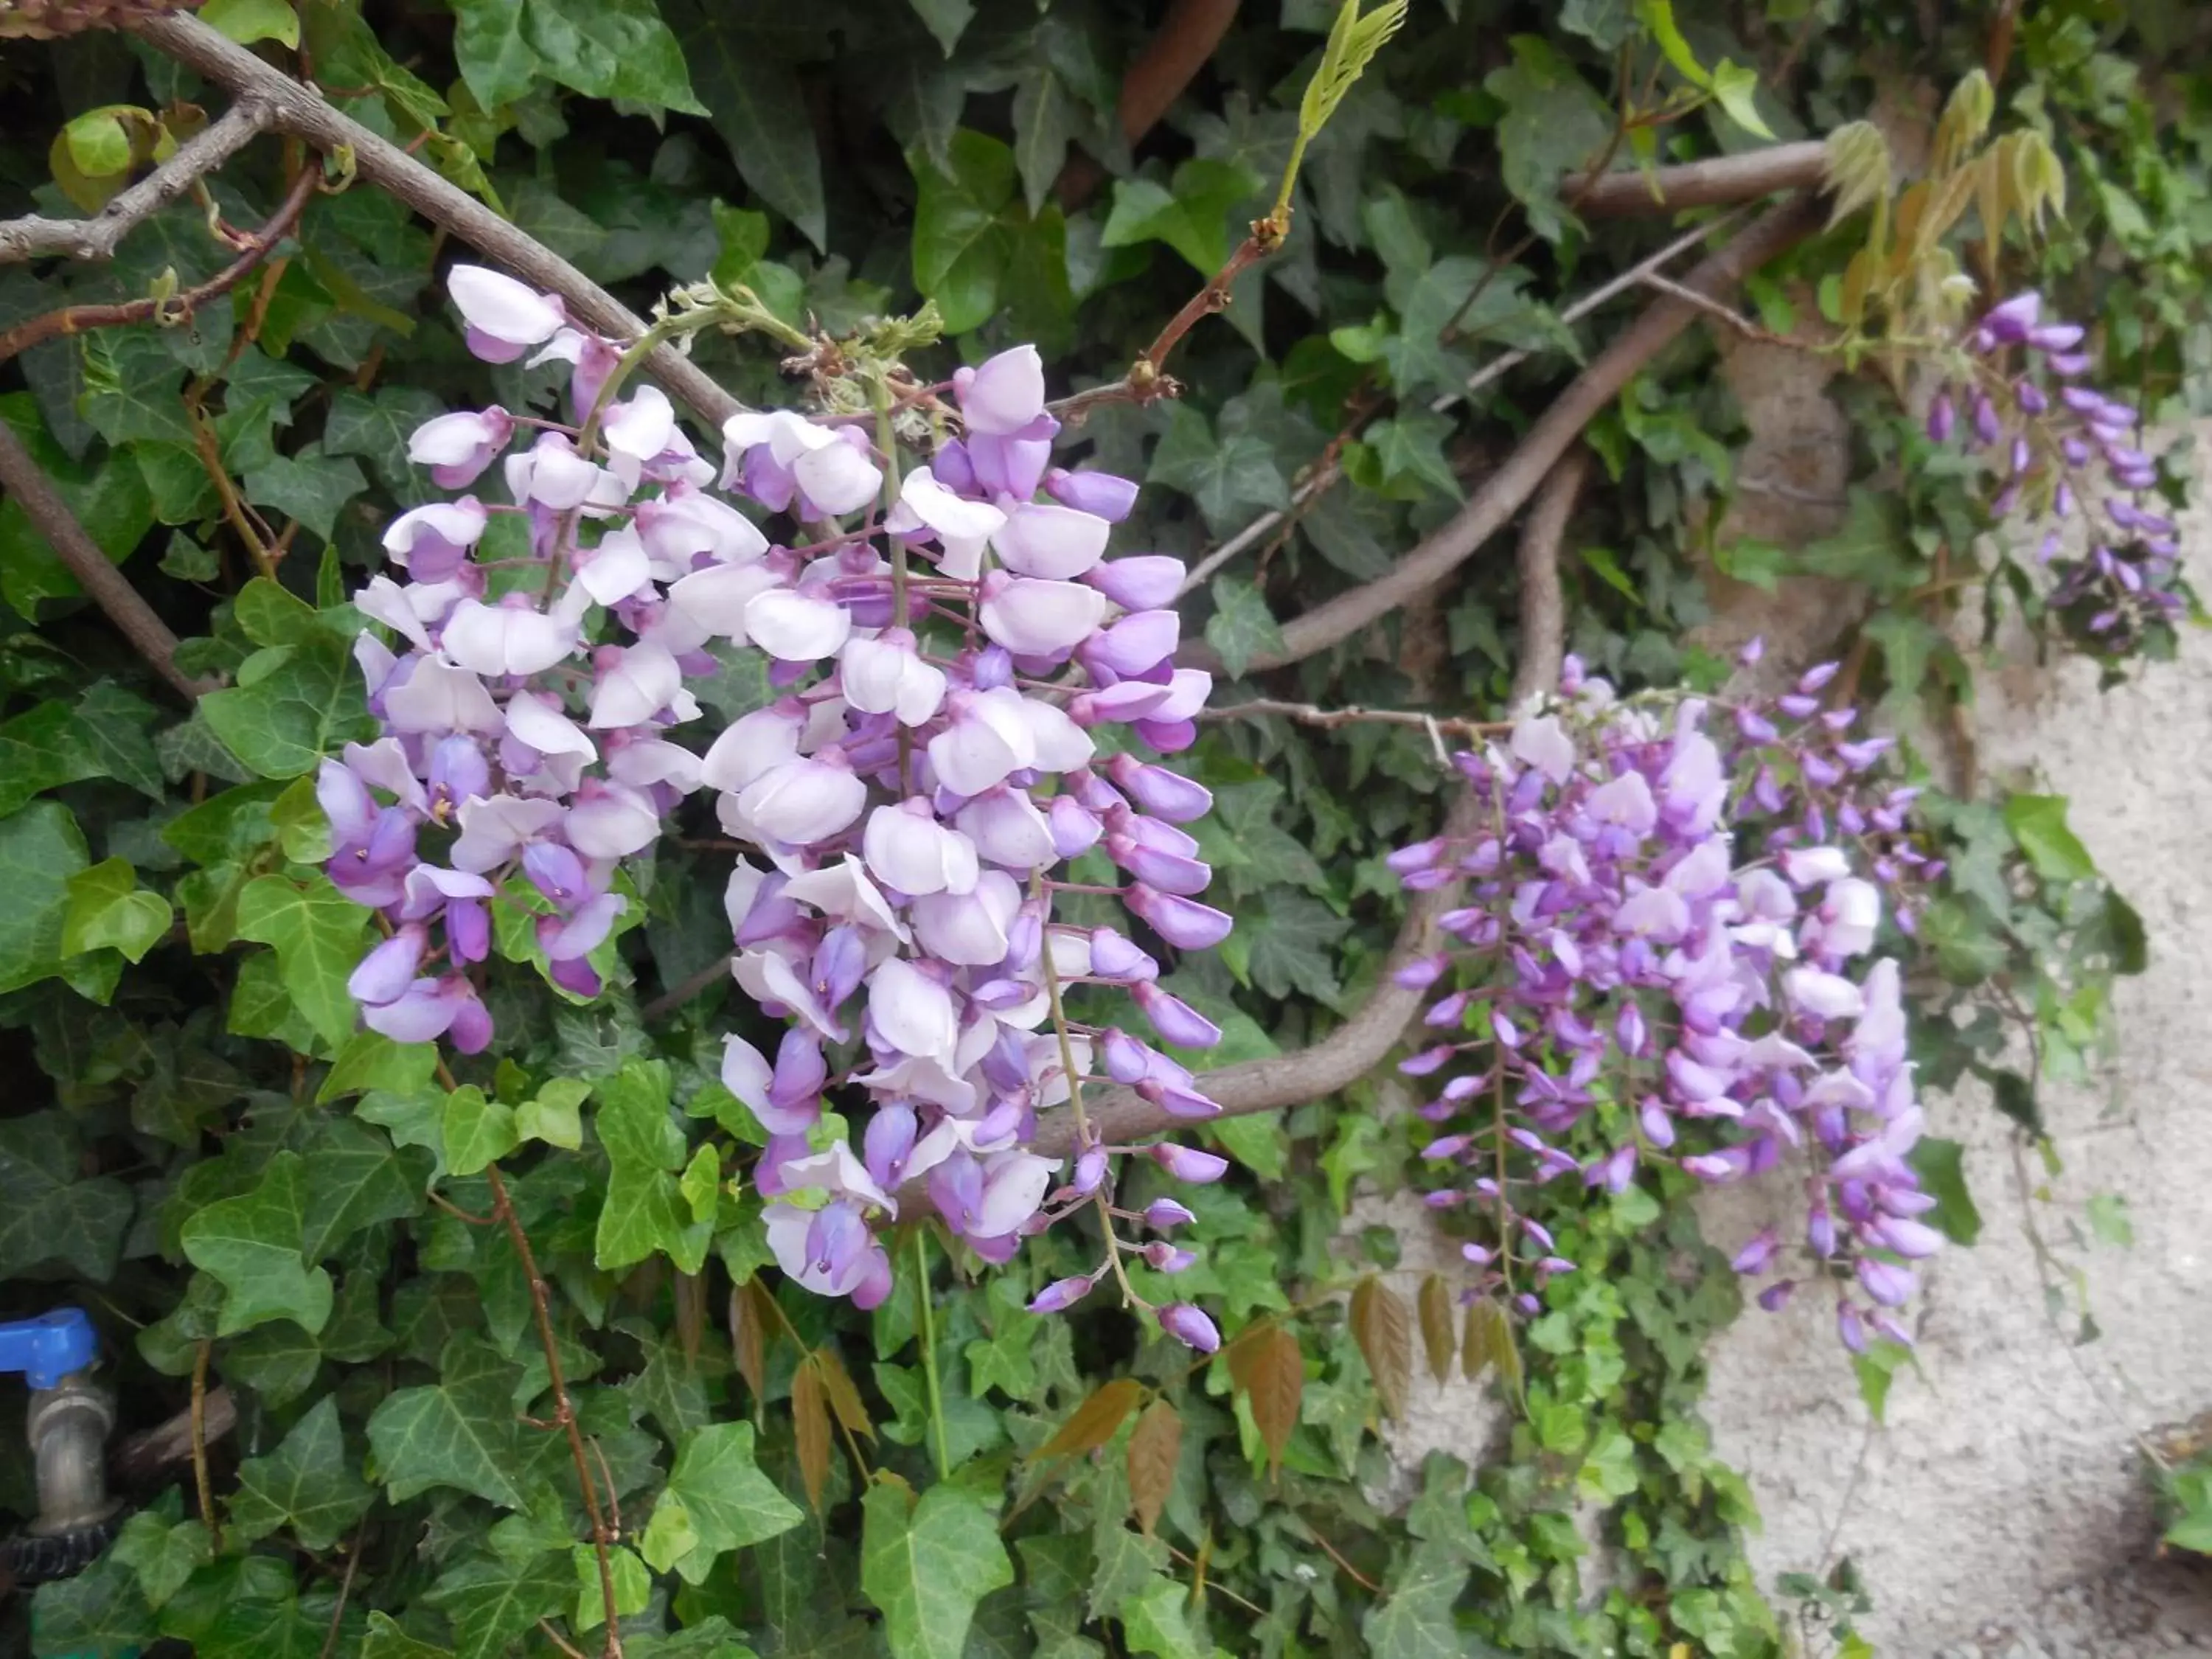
x,y
1439,1330
1384,1330
1272,1372
1478,1345
749,1323
1092,1424
811,1423
844,1398
1154,1445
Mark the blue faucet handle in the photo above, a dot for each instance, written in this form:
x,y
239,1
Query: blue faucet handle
x,y
48,1348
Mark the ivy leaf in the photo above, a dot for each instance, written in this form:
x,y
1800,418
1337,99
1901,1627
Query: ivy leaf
x,y
491,1600
477,1131
41,848
377,429
1242,627
617,49
1229,474
1192,217
162,1551
107,909
369,1061
1554,122
310,486
1942,1175
248,21
552,1114
253,1244
319,936
1156,1621
356,1177
753,99
98,1611
645,1209
49,1211
305,702
2038,823
459,1432
633,1585
306,1484
495,58
926,1566
386,1639
1045,122
1414,1619
947,20
1291,945
962,245
1735,89
729,1504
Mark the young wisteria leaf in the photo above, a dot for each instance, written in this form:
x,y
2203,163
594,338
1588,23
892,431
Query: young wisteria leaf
x,y
1439,1332
253,1244
810,1422
925,1565
1269,1367
1093,1423
1384,1330
306,1484
1155,1447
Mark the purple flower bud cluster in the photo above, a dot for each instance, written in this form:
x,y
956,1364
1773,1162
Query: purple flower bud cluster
x,y
2066,448
943,643
1623,963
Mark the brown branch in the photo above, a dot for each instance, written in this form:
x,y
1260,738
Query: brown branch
x,y
1307,714
26,482
564,1411
1543,610
33,236
145,1455
1714,182
300,111
1502,495
677,995
202,1483
175,307
1187,39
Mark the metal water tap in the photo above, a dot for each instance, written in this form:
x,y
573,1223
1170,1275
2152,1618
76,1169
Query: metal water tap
x,y
67,1426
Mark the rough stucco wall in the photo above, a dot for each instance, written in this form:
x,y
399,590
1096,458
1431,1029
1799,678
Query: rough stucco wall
x,y
2003,1509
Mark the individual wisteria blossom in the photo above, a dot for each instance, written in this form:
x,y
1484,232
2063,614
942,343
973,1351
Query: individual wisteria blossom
x,y
1630,966
944,637
2066,451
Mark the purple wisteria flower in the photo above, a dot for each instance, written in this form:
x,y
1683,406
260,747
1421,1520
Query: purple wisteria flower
x,y
1634,967
2069,452
943,644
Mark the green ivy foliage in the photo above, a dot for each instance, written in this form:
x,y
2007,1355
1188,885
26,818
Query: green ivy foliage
x,y
248,1192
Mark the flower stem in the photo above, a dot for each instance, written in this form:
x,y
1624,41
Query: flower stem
x,y
929,1355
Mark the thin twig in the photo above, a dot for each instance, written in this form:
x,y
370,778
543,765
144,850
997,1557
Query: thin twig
x,y
1502,495
546,1630
27,484
564,1411
345,1588
33,236
1325,476
1713,308
680,993
178,307
300,111
1307,714
201,1482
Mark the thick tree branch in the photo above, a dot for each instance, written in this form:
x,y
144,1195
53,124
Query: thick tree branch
x,y
1170,61
298,109
1543,609
26,482
1357,1047
1502,495
1710,183
33,236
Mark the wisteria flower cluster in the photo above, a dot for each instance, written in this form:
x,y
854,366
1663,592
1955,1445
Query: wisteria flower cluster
x,y
943,638
1620,945
2065,448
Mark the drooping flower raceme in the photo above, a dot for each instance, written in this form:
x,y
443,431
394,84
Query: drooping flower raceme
x,y
2065,448
942,640
1625,971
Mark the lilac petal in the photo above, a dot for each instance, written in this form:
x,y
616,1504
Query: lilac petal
x,y
1102,494
1061,1294
1182,922
386,972
1144,582
1003,395
1056,543
1175,1020
502,308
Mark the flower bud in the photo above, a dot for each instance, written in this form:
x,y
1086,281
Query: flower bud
x,y
1061,1294
1189,1327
